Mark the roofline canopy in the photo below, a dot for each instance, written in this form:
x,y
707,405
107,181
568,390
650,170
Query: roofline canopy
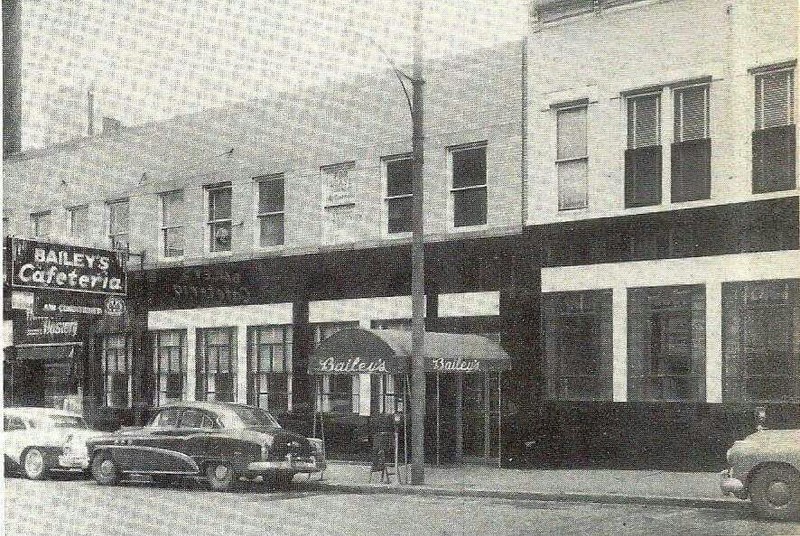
x,y
388,351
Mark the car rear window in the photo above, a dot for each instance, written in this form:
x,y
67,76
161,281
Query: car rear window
x,y
250,416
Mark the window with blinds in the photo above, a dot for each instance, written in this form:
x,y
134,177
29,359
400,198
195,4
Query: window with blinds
x,y
666,343
691,150
643,154
269,367
216,364
577,333
774,136
169,364
572,161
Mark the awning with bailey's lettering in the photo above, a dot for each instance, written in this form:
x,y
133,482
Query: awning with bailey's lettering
x,y
388,351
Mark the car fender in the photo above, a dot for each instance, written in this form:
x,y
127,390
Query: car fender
x,y
144,459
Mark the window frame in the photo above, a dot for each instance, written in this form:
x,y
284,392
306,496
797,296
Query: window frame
x,y
112,235
209,240
203,389
109,391
566,107
260,216
323,392
165,228
635,152
36,219
454,191
387,199
71,213
668,301
158,392
255,390
774,148
595,305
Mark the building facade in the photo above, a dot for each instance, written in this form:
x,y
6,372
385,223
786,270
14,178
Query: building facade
x,y
618,207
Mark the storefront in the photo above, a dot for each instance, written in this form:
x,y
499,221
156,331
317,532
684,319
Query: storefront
x,y
59,295
463,377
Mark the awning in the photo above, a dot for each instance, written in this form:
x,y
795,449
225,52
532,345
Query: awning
x,y
388,351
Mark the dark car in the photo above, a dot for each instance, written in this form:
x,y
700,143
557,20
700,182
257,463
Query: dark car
x,y
217,441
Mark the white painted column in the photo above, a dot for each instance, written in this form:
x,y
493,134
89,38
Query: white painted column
x,y
241,363
713,342
191,367
619,307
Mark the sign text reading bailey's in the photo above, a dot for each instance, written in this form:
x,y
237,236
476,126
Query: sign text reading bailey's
x,y
58,266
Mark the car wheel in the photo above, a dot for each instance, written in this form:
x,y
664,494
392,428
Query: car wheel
x,y
105,470
220,476
775,492
33,464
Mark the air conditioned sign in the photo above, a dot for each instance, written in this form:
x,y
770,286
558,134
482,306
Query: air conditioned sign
x,y
41,265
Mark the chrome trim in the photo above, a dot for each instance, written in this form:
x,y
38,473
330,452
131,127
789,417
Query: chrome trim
x,y
175,454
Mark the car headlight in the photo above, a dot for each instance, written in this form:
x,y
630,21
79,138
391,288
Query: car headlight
x,y
67,444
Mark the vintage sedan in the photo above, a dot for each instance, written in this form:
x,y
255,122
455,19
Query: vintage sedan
x,y
216,441
765,466
33,439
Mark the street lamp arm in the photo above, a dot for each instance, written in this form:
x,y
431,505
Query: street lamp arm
x,y
397,71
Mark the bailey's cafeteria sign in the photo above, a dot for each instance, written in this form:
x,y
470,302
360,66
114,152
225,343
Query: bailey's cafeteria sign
x,y
41,265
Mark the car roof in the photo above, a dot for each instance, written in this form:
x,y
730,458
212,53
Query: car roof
x,y
21,411
201,404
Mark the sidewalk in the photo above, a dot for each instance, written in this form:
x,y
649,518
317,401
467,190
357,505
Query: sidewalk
x,y
700,490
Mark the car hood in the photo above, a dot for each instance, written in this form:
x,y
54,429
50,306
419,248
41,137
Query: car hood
x,y
791,437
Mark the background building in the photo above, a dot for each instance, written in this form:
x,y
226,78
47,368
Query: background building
x,y
617,206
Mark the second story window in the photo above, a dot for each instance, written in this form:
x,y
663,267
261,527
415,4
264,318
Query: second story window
x,y
469,186
643,154
118,224
691,150
41,224
172,223
572,159
219,217
270,210
399,198
78,221
774,138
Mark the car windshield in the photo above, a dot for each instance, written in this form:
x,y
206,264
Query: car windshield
x,y
246,416
59,421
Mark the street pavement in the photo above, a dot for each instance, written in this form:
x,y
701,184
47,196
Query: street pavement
x,y
81,507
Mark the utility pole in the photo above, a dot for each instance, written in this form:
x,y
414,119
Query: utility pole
x,y
417,263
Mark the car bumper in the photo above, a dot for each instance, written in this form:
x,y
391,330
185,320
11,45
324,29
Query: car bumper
x,y
730,485
73,462
297,465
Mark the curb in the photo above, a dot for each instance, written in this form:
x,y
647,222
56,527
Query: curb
x,y
691,502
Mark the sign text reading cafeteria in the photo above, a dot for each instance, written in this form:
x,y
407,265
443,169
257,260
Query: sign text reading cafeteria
x,y
58,266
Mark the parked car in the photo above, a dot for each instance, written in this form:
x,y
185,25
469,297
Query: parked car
x,y
33,439
219,442
765,466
